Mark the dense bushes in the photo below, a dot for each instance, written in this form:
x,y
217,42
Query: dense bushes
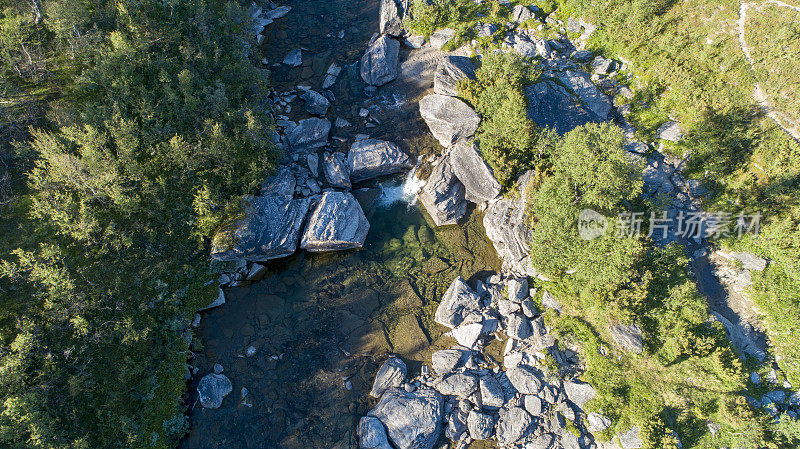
x,y
154,123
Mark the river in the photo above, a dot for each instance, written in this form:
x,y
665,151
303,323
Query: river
x,y
321,323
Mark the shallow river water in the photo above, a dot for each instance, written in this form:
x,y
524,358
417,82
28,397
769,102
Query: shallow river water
x,y
322,323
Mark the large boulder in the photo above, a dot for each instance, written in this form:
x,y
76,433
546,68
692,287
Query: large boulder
x,y
514,424
369,158
525,379
593,98
413,420
469,167
336,171
316,103
389,19
480,425
267,228
212,389
492,393
309,134
448,118
449,71
443,195
458,301
506,227
336,223
553,106
521,13
372,434
457,384
390,375
281,183
579,393
380,61
446,360
628,336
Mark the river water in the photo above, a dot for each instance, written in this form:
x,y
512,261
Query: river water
x,y
321,324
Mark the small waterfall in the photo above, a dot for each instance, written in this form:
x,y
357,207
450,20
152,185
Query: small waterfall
x,y
405,191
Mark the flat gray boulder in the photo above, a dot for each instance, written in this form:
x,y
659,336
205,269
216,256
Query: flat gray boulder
x,y
336,170
336,223
390,375
514,424
440,38
521,13
492,393
446,360
316,103
380,61
630,439
458,301
389,18
370,158
309,134
457,384
480,425
280,184
212,389
552,105
448,118
506,227
268,228
469,167
597,422
372,434
628,336
413,420
443,195
592,97
579,393
525,379
670,131
449,71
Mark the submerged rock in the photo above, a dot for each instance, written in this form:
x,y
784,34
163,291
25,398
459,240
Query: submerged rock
x,y
390,375
337,223
413,420
448,118
380,61
449,71
458,301
469,167
309,134
370,158
268,228
372,434
212,389
294,58
443,195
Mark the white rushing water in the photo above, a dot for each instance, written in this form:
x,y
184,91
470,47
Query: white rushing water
x,y
406,191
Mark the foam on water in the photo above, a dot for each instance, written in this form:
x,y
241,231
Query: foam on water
x,y
405,191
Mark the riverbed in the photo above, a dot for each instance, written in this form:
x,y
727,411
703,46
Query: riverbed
x,y
321,323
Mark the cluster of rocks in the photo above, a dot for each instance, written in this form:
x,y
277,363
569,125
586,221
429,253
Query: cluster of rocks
x,y
531,398
779,398
264,17
308,202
